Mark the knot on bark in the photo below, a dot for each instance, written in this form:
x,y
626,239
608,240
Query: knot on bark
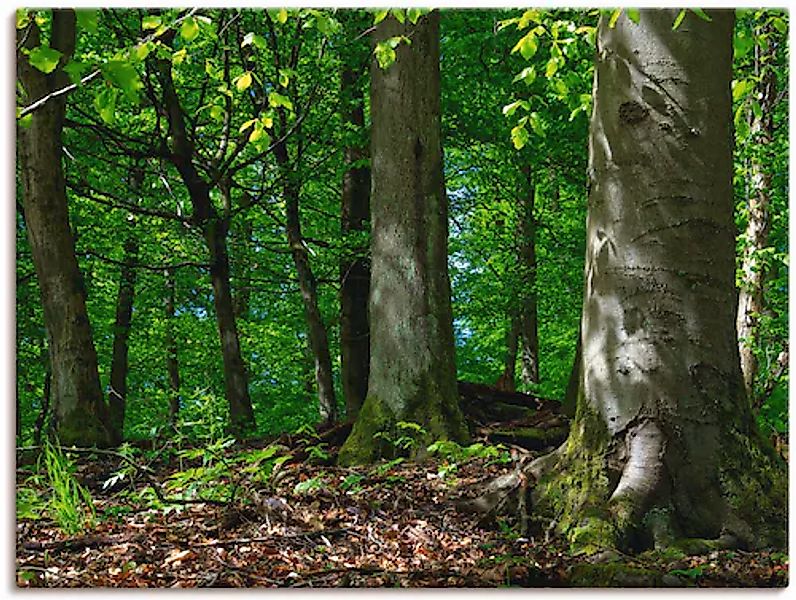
x,y
632,112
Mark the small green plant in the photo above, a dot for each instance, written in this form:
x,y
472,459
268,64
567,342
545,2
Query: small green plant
x,y
351,483
384,468
692,573
70,504
310,485
30,504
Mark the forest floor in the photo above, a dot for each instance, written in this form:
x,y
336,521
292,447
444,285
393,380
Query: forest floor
x,y
315,525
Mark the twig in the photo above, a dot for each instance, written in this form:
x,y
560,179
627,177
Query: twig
x,y
270,538
79,543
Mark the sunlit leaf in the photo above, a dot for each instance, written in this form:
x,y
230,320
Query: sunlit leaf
x,y
44,58
189,29
633,14
701,14
614,18
243,82
519,136
87,18
151,22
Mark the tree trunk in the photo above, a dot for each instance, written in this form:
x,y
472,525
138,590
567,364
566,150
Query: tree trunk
x,y
172,362
529,338
507,380
214,228
117,399
80,415
664,445
354,266
750,299
412,367
573,384
318,338
241,414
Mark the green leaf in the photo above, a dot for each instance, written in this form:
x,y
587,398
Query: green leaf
x,y
105,103
380,16
633,14
189,29
281,16
122,74
284,79
739,88
385,54
528,75
757,110
528,17
151,22
243,82
246,125
141,51
75,70
414,15
23,18
256,39
614,17
527,46
398,13
510,109
551,68
741,124
536,123
276,100
44,58
179,56
678,19
701,14
256,133
779,25
519,136
87,18
25,121
216,112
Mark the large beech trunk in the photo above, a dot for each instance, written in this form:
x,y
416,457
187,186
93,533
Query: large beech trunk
x,y
664,444
750,297
80,415
412,368
354,266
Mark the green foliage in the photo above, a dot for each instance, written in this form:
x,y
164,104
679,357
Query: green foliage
x,y
44,58
54,491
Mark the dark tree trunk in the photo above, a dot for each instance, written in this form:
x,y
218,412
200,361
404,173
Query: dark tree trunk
x,y
80,415
318,338
750,299
573,384
529,336
412,366
243,291
172,362
241,414
354,266
507,381
664,444
44,410
117,397
214,228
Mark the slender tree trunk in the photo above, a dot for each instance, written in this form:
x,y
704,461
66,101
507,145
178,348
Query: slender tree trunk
x,y
507,379
80,415
243,292
354,266
750,299
664,444
117,399
172,362
214,228
529,338
318,338
412,366
236,383
46,398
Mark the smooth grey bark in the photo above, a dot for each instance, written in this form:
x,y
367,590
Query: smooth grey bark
x,y
412,367
750,297
80,415
172,359
529,328
215,228
354,266
664,444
